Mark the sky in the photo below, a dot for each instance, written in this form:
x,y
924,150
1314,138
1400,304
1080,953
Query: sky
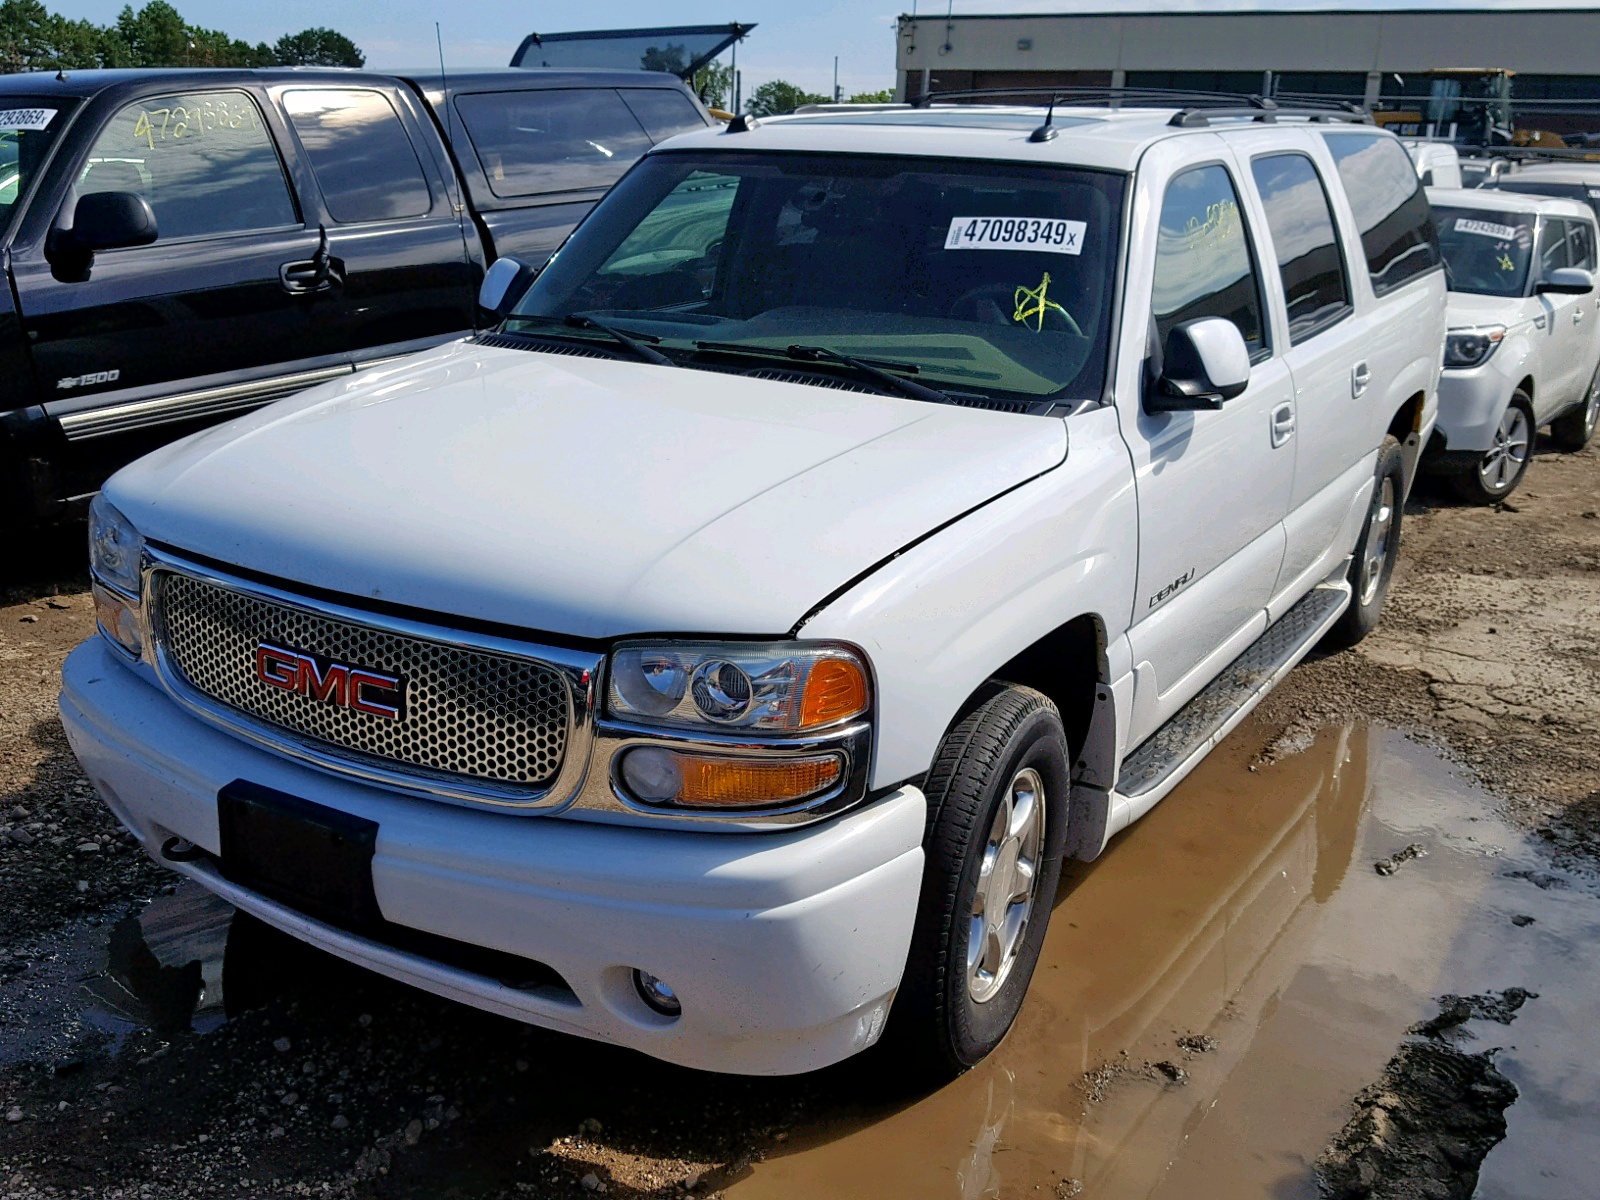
x,y
794,41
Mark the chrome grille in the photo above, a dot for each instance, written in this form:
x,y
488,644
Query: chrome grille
x,y
468,712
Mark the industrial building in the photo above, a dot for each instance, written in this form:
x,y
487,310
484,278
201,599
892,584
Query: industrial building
x,y
1368,56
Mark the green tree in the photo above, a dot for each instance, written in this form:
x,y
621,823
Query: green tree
x,y
318,48
713,83
780,96
884,97
669,58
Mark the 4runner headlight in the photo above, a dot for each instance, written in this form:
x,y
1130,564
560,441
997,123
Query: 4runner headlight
x,y
758,687
1472,347
116,560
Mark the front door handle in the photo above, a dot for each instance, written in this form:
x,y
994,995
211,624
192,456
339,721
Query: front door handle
x,y
1282,424
1360,377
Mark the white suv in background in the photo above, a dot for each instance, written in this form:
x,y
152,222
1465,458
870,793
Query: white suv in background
x,y
859,514
1524,342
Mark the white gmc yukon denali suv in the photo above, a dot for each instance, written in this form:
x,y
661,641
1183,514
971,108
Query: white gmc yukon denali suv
x,y
861,513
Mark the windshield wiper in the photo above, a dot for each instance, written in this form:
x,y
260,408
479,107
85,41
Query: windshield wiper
x,y
633,343
872,369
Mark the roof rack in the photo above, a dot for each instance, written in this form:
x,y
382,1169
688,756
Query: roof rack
x,y
1195,108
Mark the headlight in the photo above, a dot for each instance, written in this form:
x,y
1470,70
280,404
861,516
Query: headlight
x,y
1472,347
781,687
115,547
116,556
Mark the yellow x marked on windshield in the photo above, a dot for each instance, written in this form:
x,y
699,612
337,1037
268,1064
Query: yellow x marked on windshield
x,y
1506,264
1032,302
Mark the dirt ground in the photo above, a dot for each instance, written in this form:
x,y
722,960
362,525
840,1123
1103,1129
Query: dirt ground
x,y
326,1081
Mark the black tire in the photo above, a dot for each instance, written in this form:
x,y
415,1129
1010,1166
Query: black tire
x,y
1369,578
1475,485
1572,430
938,1028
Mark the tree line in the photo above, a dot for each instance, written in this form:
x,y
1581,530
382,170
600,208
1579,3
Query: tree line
x,y
32,38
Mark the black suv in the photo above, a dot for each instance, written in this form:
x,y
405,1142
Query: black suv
x,y
182,245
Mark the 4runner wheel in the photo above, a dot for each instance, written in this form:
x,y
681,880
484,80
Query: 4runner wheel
x,y
1572,430
1498,472
1376,549
997,812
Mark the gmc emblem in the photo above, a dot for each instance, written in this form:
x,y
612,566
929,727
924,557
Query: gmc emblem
x,y
322,679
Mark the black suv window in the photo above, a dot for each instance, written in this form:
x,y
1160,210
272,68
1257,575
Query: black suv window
x,y
1304,240
1204,267
360,153
662,112
204,161
556,140
1390,206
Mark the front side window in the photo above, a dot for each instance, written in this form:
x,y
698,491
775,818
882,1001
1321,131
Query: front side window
x,y
1391,209
555,140
1486,251
360,153
1580,244
1552,246
1304,240
27,129
973,277
204,161
1204,267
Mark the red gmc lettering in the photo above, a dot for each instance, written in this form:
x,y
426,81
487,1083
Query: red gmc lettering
x,y
357,688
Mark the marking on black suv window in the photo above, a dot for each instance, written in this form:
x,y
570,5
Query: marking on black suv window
x,y
1172,589
90,380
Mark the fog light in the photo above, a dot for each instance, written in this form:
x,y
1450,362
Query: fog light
x,y
656,993
656,775
119,620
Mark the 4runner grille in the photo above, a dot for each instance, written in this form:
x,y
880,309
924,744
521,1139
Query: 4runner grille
x,y
466,712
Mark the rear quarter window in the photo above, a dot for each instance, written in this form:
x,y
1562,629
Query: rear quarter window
x,y
662,111
552,140
1391,209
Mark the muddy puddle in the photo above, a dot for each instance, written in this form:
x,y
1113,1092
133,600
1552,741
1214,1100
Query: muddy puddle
x,y
1214,993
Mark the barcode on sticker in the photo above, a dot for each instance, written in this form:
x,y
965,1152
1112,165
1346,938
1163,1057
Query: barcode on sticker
x,y
1048,234
25,118
1501,233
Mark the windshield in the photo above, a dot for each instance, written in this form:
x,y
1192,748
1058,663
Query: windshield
x,y
26,129
1488,252
975,277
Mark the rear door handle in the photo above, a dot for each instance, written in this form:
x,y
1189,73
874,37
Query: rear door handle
x,y
1360,377
1577,316
1282,424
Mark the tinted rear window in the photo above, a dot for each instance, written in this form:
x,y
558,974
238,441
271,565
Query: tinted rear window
x,y
1391,208
558,140
663,112
360,153
1303,238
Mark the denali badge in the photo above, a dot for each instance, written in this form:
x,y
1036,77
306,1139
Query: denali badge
x,y
322,679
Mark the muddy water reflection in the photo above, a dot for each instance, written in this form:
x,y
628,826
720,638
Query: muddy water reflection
x,y
1244,910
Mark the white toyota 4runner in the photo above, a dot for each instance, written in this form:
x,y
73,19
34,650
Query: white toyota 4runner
x,y
861,513
1523,348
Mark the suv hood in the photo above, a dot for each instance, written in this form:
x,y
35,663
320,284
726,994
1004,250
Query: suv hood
x,y
579,496
1471,308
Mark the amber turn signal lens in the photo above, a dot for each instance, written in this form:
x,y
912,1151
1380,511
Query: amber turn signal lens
x,y
656,775
836,689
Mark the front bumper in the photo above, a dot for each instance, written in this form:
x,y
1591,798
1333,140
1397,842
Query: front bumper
x,y
1471,404
785,948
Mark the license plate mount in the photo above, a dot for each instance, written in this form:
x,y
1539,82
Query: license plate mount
x,y
315,859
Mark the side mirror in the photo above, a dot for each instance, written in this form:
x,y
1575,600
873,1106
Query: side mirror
x,y
503,285
1204,364
1566,281
108,221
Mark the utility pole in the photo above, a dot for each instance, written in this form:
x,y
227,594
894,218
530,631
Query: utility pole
x,y
735,67
836,94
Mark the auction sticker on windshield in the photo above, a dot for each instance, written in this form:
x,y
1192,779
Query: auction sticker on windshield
x,y
1501,233
22,119
1049,234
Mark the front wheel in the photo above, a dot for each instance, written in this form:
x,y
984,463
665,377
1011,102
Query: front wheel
x,y
1377,550
997,814
1572,430
1497,474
